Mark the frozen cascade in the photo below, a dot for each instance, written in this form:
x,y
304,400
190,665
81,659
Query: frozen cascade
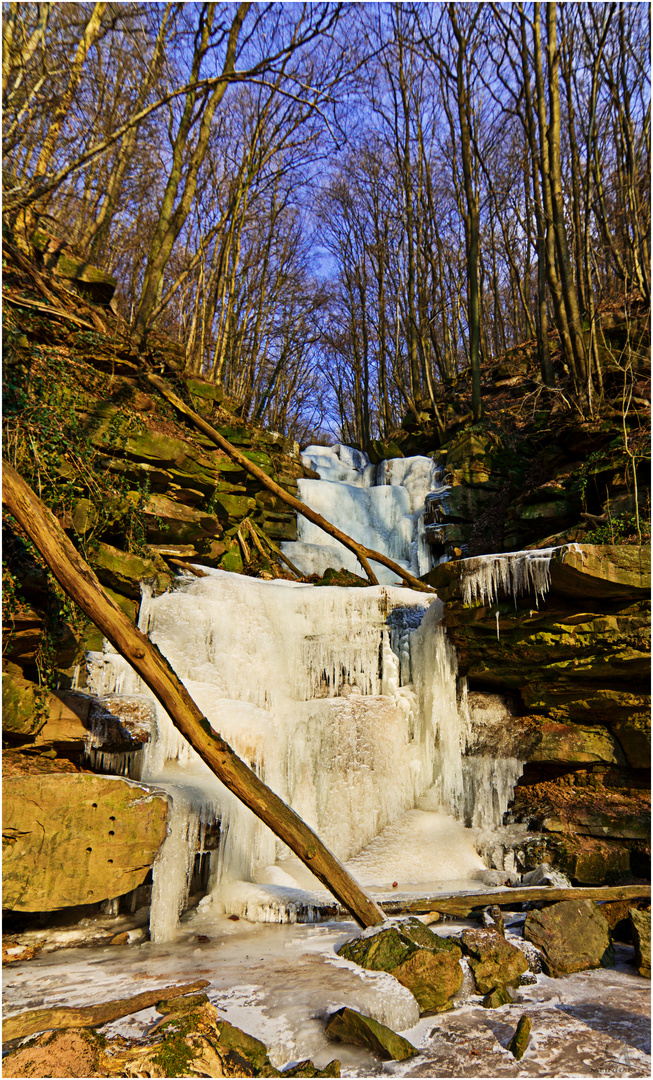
x,y
346,702
381,506
330,706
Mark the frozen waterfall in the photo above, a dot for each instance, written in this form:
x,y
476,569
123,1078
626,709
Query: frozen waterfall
x,y
381,506
345,701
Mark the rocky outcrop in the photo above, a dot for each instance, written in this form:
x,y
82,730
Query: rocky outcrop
x,y
76,838
560,682
641,924
572,935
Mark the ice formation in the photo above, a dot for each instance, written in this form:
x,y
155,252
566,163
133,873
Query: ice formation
x,y
346,702
516,573
381,506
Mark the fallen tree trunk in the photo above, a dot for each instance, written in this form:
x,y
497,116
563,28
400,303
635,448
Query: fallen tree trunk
x,y
462,904
362,553
28,1023
80,583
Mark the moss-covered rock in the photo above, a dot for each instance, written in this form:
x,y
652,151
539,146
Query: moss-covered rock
x,y
428,966
124,571
494,999
22,706
573,936
96,284
519,1042
348,1026
493,960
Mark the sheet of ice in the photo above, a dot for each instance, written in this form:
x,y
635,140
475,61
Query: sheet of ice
x,y
420,847
281,983
381,506
278,983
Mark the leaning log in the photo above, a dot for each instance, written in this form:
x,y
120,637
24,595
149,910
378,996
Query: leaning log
x,y
80,583
362,553
28,1023
462,904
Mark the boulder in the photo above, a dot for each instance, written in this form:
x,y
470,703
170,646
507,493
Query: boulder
x,y
544,875
496,998
96,284
22,706
519,1042
572,935
307,1068
494,962
641,924
425,963
168,521
77,838
348,1026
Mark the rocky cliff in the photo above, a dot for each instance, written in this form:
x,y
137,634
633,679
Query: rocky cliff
x,y
561,682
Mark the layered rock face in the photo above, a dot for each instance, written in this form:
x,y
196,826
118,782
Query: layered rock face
x,y
561,683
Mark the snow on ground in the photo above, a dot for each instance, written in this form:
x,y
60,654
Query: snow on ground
x,y
279,983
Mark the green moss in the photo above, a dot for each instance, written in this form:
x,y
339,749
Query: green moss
x,y
175,1055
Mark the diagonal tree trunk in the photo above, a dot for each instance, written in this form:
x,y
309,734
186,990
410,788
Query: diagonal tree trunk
x,y
362,553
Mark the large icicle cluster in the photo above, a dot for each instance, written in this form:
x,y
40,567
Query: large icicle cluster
x,y
517,573
346,702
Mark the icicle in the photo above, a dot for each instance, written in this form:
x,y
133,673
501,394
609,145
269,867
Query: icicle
x,y
497,614
516,573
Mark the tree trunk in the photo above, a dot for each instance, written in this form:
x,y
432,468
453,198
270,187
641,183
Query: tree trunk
x,y
28,1023
570,296
81,584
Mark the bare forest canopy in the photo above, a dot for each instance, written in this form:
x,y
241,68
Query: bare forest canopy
x,y
339,210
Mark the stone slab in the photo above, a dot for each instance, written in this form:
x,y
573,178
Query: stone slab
x,y
72,839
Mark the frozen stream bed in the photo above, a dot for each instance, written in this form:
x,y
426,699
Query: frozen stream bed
x,y
279,983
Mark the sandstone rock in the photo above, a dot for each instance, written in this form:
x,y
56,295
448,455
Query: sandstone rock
x,y
21,714
168,521
544,875
573,936
348,1026
590,861
493,960
572,743
496,998
64,1053
77,839
432,976
232,1038
520,1039
634,735
124,572
307,1068
641,923
96,284
419,959
619,570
